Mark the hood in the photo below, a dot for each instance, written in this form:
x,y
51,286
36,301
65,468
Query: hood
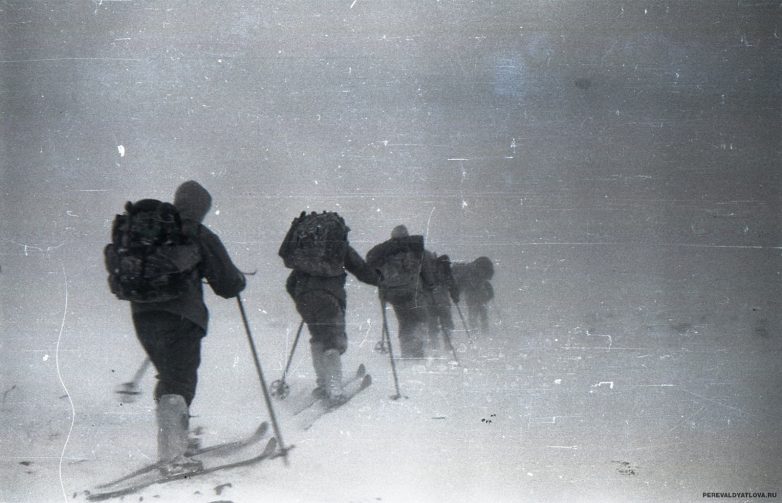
x,y
484,266
193,201
400,231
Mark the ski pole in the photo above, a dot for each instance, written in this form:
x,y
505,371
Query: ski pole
x,y
266,398
439,321
447,336
129,390
390,350
280,388
459,310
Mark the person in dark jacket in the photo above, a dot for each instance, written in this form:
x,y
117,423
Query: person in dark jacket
x,y
474,282
443,291
171,331
405,279
321,301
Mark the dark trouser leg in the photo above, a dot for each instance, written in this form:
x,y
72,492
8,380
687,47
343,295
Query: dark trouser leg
x,y
472,316
483,315
173,344
434,336
446,320
325,318
419,327
433,325
174,347
411,318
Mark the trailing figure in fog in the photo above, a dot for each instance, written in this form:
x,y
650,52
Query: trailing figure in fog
x,y
474,282
405,280
317,249
439,299
157,259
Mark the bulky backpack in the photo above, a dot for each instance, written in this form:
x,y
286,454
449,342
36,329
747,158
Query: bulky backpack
x,y
316,244
401,268
150,258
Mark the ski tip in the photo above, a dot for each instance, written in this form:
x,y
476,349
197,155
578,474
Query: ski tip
x,y
361,370
366,381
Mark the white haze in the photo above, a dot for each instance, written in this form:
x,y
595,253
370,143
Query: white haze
x,y
619,162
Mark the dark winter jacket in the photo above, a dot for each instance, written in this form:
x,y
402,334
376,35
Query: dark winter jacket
x,y
224,278
300,282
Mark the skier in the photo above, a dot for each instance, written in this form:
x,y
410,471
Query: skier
x,y
171,330
404,277
317,249
439,299
474,281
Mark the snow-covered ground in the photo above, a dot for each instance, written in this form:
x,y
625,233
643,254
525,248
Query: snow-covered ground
x,y
604,384
618,161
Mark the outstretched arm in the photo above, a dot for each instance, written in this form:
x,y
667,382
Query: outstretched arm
x,y
223,276
358,268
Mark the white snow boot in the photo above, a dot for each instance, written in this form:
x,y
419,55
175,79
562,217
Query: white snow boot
x,y
172,441
316,349
332,368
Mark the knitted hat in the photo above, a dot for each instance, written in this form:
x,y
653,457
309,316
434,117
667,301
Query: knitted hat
x,y
193,201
